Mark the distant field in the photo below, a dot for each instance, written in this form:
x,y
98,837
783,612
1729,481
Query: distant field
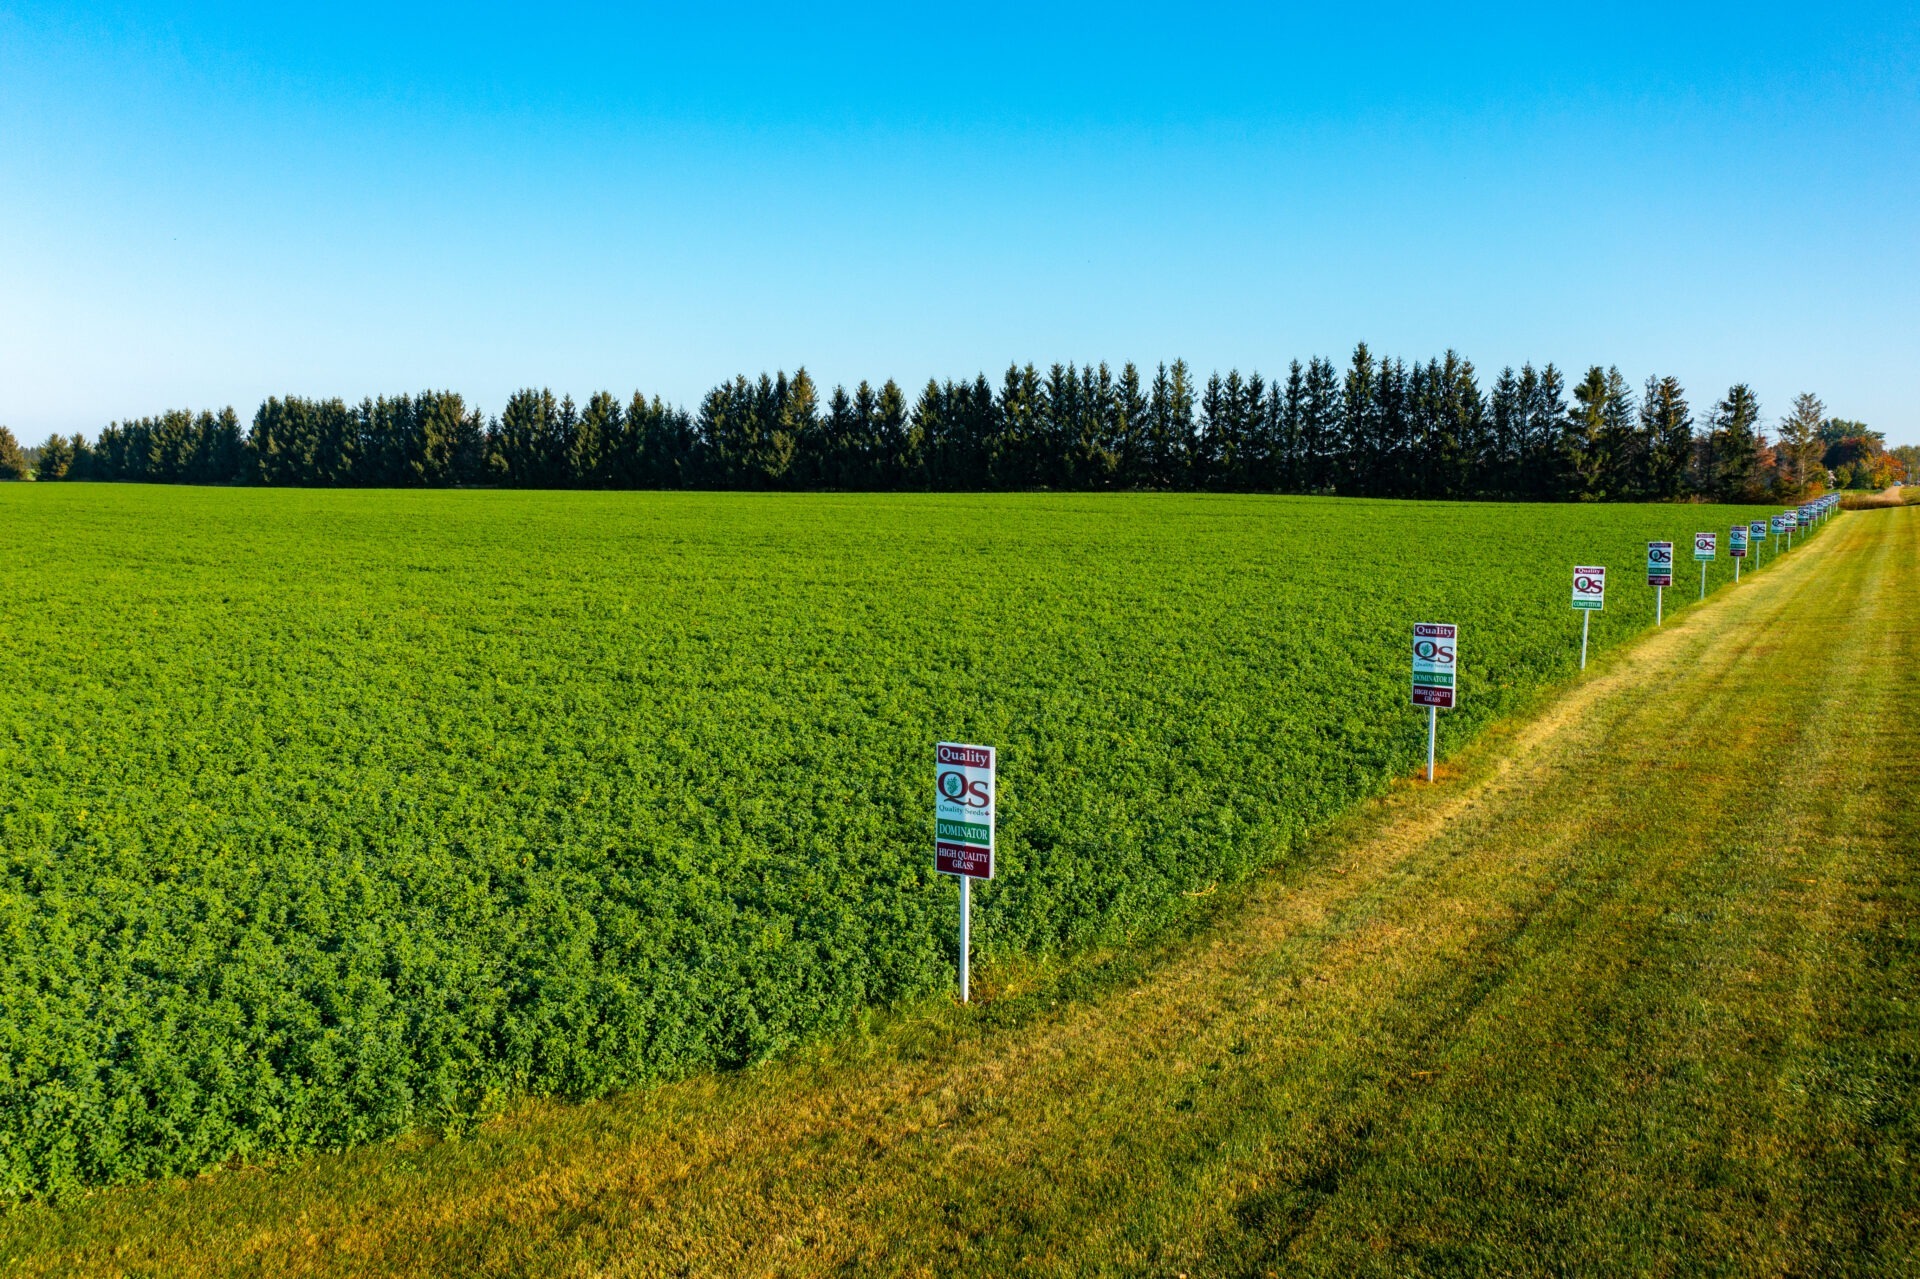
x,y
324,815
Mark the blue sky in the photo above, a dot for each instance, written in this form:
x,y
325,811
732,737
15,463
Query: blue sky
x,y
205,206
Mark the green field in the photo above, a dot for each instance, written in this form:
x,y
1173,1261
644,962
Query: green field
x,y
328,816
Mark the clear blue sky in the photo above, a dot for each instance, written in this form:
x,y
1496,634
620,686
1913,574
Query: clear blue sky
x,y
201,207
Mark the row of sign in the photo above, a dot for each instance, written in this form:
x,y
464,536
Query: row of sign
x,y
1436,645
964,776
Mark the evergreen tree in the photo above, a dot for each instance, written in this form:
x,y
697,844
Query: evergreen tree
x,y
1096,436
171,442
1320,414
1506,424
1222,454
842,462
1270,431
795,412
1018,462
54,459
1623,464
1544,393
928,432
666,444
1801,447
1133,448
444,442
1362,468
1255,458
85,463
1583,458
1733,437
13,462
560,436
1459,436
1666,439
591,453
221,457
894,460
522,450
110,452
1394,428
1170,427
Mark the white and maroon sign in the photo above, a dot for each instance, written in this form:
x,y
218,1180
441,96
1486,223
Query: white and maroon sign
x,y
963,780
1436,663
1737,541
1704,545
1589,588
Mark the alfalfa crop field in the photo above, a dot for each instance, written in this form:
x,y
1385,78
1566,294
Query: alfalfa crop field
x,y
329,816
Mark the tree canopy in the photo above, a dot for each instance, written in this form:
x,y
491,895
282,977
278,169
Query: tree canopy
x,y
1380,426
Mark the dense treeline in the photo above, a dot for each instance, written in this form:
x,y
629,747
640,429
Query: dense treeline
x,y
1381,428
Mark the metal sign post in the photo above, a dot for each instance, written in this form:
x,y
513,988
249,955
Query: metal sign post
x,y
963,840
1436,663
1589,595
1659,572
1703,548
1737,548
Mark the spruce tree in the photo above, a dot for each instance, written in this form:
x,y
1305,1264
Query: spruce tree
x,y
591,453
1800,449
896,461
1666,434
1132,450
1583,459
1218,450
1733,434
1506,424
842,459
13,462
1623,463
54,459
927,433
1547,479
85,463
1362,452
1293,467
1097,440
1015,463
1320,424
1170,431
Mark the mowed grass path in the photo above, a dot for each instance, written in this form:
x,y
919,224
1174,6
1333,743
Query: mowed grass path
x,y
1630,991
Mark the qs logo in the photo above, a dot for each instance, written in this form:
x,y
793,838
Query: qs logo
x,y
955,788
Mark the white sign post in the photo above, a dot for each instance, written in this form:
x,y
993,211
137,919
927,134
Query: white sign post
x,y
1436,665
963,793
1659,573
1589,595
1703,548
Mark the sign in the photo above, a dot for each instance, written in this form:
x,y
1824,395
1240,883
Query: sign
x,y
1703,545
1737,542
1589,588
963,810
1779,525
1804,516
1757,531
1659,563
1436,659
